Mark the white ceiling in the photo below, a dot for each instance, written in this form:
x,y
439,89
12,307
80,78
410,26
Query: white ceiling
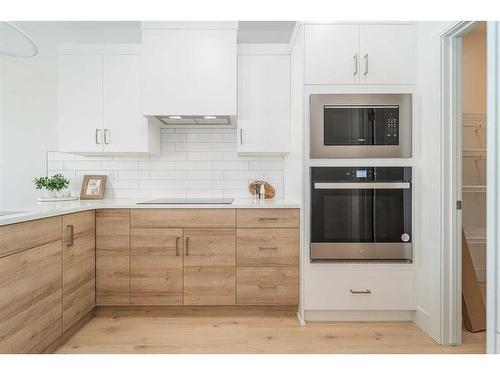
x,y
249,31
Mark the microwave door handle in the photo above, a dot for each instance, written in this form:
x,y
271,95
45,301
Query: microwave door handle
x,y
361,185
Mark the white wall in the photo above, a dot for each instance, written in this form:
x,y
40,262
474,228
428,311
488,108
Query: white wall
x,y
427,174
28,101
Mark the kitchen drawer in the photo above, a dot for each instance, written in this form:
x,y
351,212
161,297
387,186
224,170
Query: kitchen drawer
x,y
182,217
360,287
267,217
267,247
267,286
24,236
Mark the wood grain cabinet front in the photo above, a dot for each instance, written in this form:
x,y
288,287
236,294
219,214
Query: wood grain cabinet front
x,y
112,257
268,217
30,298
210,266
78,266
268,286
156,266
267,247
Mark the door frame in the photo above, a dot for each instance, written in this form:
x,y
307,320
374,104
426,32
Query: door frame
x,y
493,188
450,303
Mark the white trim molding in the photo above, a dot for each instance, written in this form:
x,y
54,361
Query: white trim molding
x,y
493,189
450,294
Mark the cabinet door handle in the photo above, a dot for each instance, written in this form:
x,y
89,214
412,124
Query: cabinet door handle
x,y
268,247
355,61
98,136
366,291
71,235
187,246
365,57
241,136
177,246
267,286
107,138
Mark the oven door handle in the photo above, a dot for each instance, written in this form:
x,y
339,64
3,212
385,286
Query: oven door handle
x,y
361,185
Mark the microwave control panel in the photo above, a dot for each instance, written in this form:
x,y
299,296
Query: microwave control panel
x,y
392,126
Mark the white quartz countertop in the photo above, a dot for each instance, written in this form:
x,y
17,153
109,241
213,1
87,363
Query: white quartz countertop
x,y
47,209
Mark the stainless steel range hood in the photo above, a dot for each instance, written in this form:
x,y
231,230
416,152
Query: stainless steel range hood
x,y
197,120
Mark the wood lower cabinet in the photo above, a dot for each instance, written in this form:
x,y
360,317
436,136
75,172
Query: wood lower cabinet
x,y
113,257
210,266
268,247
78,266
268,286
31,289
156,266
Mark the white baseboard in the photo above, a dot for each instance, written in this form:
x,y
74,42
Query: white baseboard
x,y
358,315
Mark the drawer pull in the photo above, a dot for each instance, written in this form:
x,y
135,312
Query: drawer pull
x,y
366,291
269,218
268,248
267,286
71,241
177,246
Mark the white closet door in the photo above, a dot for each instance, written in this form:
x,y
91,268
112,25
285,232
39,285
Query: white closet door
x,y
331,54
387,54
125,129
264,103
80,103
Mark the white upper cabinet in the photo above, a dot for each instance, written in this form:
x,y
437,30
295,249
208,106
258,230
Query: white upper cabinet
x,y
332,54
359,54
99,90
387,54
189,71
80,103
263,104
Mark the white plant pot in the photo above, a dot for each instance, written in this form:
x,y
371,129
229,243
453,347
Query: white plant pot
x,y
48,194
65,193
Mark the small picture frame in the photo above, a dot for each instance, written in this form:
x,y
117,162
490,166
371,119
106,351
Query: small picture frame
x,y
93,187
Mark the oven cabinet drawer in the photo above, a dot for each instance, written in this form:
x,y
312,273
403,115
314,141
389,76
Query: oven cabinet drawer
x,y
267,286
267,247
361,287
268,217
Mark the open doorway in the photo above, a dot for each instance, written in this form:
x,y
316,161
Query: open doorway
x,y
473,145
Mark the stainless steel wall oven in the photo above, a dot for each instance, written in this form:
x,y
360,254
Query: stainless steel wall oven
x,y
360,126
361,214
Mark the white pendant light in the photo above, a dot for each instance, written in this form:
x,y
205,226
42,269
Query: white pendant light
x,y
31,49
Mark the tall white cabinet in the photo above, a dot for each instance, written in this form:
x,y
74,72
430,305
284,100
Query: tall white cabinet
x,y
99,101
359,54
263,103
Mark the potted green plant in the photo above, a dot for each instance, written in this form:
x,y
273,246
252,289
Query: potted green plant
x,y
52,187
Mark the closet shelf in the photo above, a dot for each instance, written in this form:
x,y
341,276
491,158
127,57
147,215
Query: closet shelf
x,y
474,152
474,188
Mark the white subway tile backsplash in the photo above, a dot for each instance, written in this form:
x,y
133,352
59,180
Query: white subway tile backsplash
x,y
168,175
120,165
193,146
208,137
194,162
205,155
225,146
230,165
202,175
133,175
193,165
81,165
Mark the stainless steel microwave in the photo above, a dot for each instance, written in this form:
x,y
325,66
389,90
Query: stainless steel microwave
x,y
360,126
